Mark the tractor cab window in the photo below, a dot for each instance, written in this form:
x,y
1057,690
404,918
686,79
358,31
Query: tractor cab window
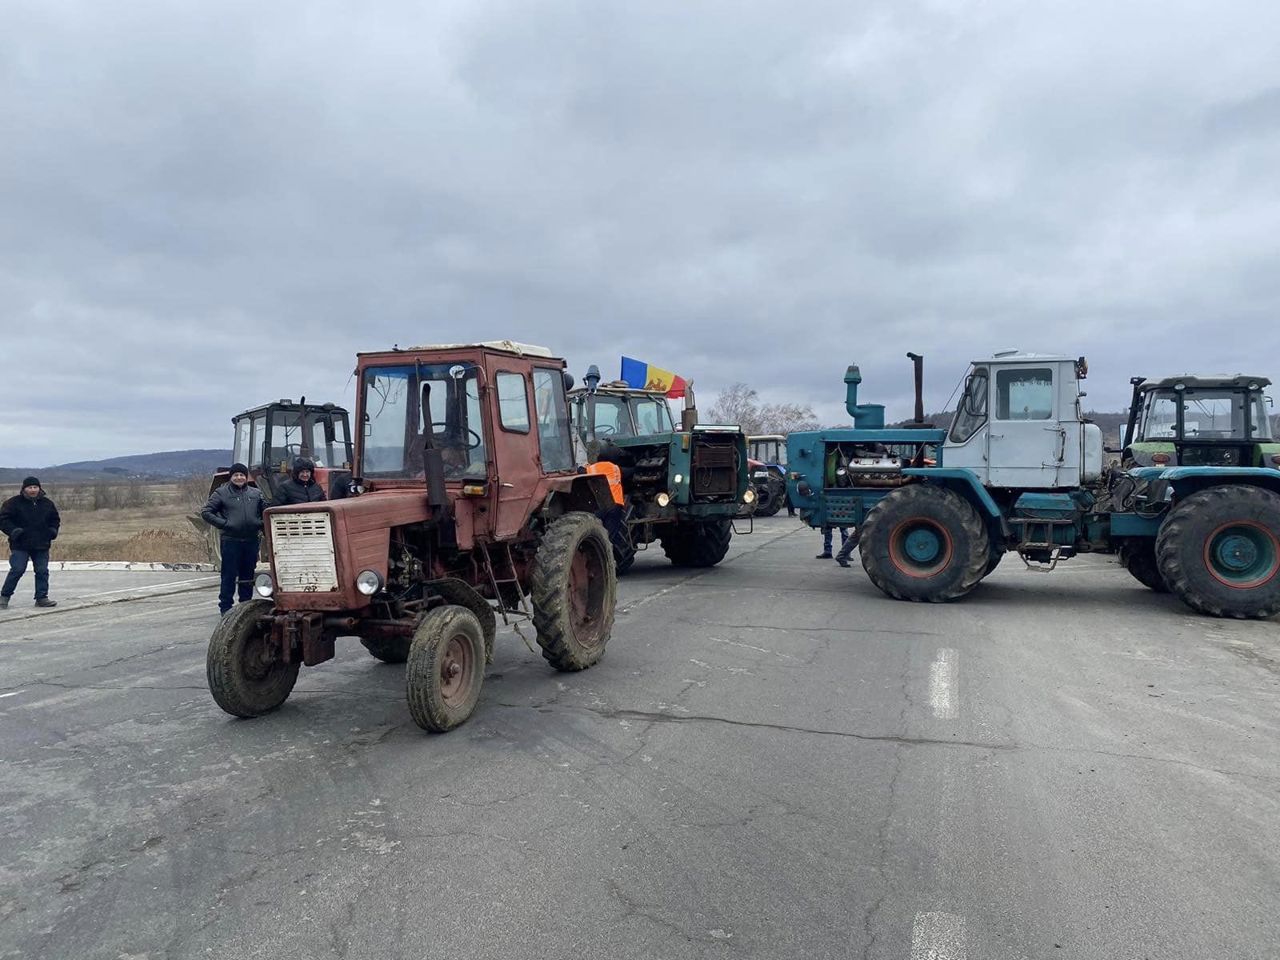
x,y
257,438
240,449
324,452
1213,415
1024,394
652,416
612,417
397,425
1159,417
286,438
972,413
1260,418
553,420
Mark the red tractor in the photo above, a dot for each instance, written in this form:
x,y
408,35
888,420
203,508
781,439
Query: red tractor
x,y
465,504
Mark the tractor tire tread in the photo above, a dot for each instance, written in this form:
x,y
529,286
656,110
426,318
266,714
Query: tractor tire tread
x,y
549,591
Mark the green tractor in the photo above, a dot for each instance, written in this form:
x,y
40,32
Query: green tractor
x,y
681,486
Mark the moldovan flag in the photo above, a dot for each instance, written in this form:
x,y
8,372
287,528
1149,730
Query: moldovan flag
x,y
645,376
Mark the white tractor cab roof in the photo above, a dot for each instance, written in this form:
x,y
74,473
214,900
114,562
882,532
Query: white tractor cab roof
x,y
1206,381
1018,356
620,388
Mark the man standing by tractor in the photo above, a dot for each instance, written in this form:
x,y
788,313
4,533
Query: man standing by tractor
x,y
235,508
301,486
31,522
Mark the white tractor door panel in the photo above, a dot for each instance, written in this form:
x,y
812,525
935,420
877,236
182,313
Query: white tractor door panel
x,y
1027,445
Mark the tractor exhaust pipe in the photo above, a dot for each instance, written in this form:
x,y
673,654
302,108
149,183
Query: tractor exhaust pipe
x,y
917,362
689,416
866,416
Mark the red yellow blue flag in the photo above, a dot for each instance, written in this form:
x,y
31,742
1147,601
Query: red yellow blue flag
x,y
645,376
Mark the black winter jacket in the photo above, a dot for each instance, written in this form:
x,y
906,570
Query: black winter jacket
x,y
30,524
294,490
236,512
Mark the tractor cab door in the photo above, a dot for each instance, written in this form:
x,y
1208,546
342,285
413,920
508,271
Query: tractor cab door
x,y
1034,440
515,446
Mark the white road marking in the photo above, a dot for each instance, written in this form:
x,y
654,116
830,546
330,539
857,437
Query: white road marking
x,y
14,694
944,695
938,936
150,586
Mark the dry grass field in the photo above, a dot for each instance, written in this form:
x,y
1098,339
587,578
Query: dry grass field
x,y
127,521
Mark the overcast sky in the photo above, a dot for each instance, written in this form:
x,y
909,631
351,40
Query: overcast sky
x,y
204,206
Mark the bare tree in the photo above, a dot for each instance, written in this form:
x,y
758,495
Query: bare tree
x,y
740,403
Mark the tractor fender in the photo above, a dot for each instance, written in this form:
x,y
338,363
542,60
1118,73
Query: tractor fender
x,y
588,492
965,483
1188,480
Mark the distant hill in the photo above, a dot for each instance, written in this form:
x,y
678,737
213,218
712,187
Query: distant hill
x,y
169,465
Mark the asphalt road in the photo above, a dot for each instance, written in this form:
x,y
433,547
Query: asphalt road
x,y
773,760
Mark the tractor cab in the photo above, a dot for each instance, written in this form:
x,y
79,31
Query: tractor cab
x,y
621,413
1019,424
1200,421
270,437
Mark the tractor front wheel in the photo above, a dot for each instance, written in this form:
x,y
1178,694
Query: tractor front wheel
x,y
388,649
445,669
924,542
574,588
698,544
1220,553
247,674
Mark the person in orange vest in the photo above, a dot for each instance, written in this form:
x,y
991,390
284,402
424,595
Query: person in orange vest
x,y
613,473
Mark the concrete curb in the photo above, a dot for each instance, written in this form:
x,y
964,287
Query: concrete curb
x,y
122,565
182,586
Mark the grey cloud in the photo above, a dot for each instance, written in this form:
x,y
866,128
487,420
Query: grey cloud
x,y
206,206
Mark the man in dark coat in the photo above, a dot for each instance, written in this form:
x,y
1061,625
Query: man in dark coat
x,y
31,522
301,487
235,508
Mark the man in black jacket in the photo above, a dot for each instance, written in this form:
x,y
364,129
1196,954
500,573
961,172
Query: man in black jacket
x,y
31,522
301,487
235,508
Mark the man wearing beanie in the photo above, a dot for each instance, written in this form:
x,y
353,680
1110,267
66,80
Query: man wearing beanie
x,y
235,508
301,487
31,522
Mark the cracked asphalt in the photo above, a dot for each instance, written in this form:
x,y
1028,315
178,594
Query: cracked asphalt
x,y
773,760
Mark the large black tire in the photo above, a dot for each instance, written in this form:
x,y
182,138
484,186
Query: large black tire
x,y
773,502
992,563
246,675
445,669
624,548
388,649
574,588
1219,552
924,542
697,544
1139,558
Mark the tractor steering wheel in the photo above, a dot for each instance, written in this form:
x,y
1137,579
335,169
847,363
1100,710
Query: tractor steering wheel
x,y
475,446
606,430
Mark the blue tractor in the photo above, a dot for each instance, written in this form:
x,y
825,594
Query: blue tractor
x,y
1019,469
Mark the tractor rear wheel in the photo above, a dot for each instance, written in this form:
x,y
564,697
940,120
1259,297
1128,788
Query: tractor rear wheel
x,y
445,669
624,548
923,542
1139,558
775,494
574,588
247,675
1219,551
388,649
698,544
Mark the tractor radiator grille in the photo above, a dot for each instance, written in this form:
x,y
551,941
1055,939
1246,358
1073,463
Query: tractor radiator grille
x,y
302,551
715,470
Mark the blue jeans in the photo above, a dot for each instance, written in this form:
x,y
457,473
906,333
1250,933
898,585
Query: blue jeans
x,y
826,538
18,566
239,557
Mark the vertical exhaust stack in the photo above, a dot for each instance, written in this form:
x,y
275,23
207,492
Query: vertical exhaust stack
x,y
866,416
689,416
917,362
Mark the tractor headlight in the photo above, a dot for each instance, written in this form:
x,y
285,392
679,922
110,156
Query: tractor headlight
x,y
368,582
749,496
355,488
663,499
263,585
678,478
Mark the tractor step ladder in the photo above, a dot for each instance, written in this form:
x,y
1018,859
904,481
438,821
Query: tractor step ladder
x,y
1030,527
509,579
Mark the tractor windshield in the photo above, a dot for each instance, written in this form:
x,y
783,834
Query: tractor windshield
x,y
404,407
612,417
1207,414
652,416
286,438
